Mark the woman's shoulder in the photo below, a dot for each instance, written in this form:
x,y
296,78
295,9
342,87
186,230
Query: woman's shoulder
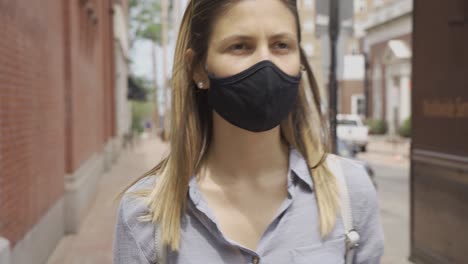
x,y
134,236
144,183
357,179
129,223
362,195
133,204
355,173
364,208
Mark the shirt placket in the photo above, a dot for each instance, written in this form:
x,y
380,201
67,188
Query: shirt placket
x,y
207,218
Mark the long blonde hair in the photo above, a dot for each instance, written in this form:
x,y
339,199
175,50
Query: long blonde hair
x,y
191,128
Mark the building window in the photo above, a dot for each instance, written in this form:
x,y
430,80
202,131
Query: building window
x,y
353,47
308,26
309,49
378,3
308,3
88,20
360,6
358,104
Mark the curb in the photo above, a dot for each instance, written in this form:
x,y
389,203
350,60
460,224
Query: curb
x,y
5,251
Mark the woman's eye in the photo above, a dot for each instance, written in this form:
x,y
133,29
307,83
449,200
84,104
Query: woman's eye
x,y
281,45
239,46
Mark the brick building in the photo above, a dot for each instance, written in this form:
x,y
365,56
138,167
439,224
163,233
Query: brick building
x,y
439,152
390,87
314,16
58,123
311,44
384,30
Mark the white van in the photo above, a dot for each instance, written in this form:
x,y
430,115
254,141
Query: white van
x,y
351,130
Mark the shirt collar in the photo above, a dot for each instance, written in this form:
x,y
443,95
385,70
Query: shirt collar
x,y
297,168
194,193
298,165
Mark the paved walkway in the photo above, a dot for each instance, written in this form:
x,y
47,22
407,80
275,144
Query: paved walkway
x,y
384,150
93,243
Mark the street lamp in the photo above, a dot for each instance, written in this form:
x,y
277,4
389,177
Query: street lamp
x,y
333,85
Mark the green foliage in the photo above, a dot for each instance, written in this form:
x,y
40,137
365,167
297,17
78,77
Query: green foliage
x,y
405,129
145,20
140,88
133,3
141,112
143,82
377,126
151,32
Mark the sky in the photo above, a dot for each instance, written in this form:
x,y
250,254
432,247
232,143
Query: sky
x,y
141,55
142,62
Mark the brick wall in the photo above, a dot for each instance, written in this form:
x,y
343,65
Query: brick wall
x,y
347,89
56,101
89,84
31,112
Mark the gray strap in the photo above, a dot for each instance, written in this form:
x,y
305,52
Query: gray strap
x,y
352,236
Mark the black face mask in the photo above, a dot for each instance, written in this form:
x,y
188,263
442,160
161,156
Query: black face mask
x,y
256,99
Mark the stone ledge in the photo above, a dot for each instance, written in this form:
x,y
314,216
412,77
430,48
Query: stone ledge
x,y
4,251
41,239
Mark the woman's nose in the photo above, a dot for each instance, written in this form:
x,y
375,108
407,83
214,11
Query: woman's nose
x,y
264,53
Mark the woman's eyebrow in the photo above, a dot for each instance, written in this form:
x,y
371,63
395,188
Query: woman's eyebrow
x,y
279,35
235,37
283,35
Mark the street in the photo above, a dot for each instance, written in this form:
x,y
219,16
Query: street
x,y
394,203
391,167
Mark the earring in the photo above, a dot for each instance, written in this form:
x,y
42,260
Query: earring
x,y
303,67
200,85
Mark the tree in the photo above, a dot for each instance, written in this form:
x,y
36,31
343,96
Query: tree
x,y
139,88
145,20
146,24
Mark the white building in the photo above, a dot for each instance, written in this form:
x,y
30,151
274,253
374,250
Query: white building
x,y
121,44
388,36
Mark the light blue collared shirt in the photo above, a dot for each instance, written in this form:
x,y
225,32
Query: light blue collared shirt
x,y
293,236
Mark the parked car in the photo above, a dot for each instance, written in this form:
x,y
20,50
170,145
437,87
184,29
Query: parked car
x,y
351,130
349,151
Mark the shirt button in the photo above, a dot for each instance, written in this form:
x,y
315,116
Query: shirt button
x,y
255,260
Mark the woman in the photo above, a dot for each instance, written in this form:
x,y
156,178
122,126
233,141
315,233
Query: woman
x,y
247,178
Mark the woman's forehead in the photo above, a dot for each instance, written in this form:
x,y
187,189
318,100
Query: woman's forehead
x,y
253,17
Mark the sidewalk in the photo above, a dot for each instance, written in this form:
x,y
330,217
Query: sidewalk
x,y
387,151
390,161
93,243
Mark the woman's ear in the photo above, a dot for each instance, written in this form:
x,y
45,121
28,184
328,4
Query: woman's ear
x,y
200,77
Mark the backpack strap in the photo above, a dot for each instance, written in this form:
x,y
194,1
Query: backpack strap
x,y
351,235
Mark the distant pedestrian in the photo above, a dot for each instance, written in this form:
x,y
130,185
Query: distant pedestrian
x,y
128,139
248,178
148,125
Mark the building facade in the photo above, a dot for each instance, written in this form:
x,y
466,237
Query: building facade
x,y
58,118
439,152
310,43
122,59
316,43
385,29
